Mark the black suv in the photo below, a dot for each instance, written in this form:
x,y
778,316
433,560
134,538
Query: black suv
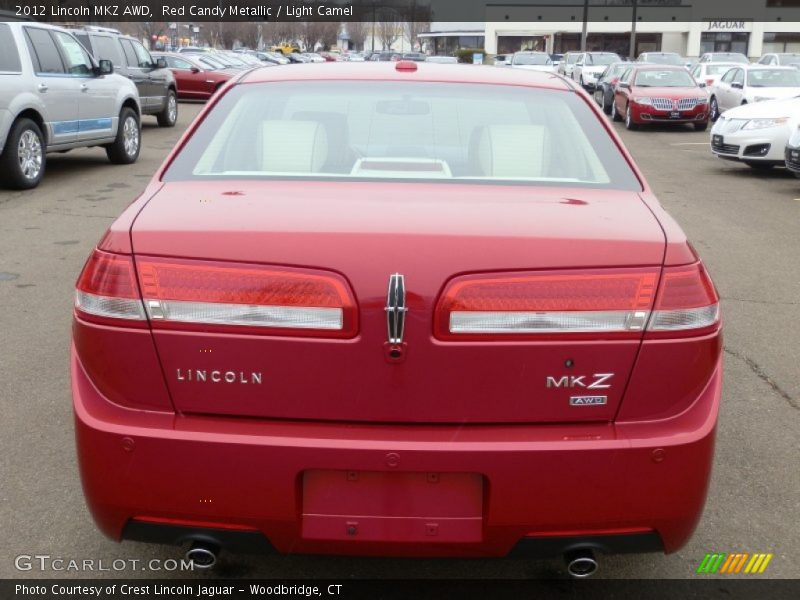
x,y
155,82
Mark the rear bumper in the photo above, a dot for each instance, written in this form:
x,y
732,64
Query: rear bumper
x,y
546,489
5,127
792,155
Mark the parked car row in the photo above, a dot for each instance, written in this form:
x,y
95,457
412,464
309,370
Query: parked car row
x,y
756,106
56,96
158,92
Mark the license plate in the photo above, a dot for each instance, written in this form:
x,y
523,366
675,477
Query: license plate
x,y
675,114
717,140
392,506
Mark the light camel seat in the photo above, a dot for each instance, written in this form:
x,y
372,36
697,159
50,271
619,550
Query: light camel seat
x,y
293,147
512,151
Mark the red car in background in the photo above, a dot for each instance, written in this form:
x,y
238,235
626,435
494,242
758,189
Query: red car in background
x,y
658,94
397,309
195,79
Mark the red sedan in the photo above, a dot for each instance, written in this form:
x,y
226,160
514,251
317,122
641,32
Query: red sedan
x,y
658,94
397,309
196,80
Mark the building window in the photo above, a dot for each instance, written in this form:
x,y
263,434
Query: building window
x,y
781,42
449,45
508,44
724,42
619,43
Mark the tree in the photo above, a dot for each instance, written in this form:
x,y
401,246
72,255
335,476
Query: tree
x,y
329,34
310,33
280,32
147,29
418,17
358,31
250,34
389,27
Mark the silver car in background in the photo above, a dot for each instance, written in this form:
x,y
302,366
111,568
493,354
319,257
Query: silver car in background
x,y
54,97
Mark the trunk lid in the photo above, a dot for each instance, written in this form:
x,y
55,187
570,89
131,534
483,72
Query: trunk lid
x,y
366,232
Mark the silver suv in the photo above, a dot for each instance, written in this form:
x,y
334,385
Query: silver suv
x,y
158,92
54,97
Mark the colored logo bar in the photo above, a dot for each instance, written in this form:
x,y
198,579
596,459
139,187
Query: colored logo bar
x,y
740,562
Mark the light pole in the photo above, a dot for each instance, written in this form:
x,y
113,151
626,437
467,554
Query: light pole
x,y
585,30
632,50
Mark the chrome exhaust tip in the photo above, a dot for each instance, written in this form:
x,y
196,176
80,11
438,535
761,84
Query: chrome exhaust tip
x,y
202,555
580,563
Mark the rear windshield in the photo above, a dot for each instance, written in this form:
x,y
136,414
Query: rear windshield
x,y
666,78
382,130
532,59
732,56
718,69
773,78
665,59
601,59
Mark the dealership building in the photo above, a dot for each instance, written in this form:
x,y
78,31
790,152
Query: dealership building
x,y
671,28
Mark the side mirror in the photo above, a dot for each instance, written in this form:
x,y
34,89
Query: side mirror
x,y
624,85
737,85
701,84
194,70
161,63
105,67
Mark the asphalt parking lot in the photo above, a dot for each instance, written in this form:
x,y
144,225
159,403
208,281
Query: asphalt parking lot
x,y
744,224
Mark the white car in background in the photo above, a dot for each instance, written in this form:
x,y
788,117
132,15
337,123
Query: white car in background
x,y
313,57
756,134
753,83
711,72
591,66
724,57
780,58
532,61
567,64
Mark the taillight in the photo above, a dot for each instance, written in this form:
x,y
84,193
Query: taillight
x,y
535,305
107,290
181,294
709,82
619,303
687,301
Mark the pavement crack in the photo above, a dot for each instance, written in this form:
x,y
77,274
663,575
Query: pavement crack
x,y
751,301
759,372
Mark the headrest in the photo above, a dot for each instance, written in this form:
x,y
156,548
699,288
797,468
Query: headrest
x,y
293,146
512,151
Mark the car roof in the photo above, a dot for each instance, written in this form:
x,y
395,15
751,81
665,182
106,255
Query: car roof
x,y
424,72
758,67
652,67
